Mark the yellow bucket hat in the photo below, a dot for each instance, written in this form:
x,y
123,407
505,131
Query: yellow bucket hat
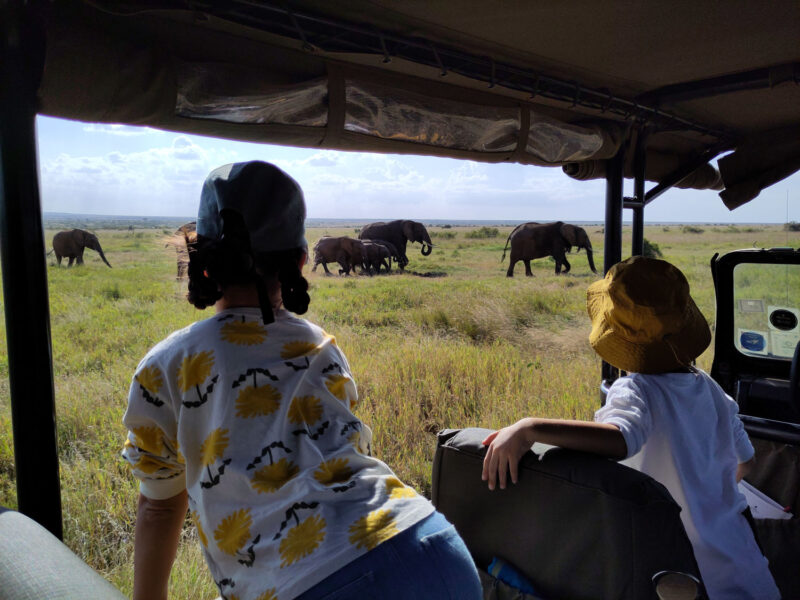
x,y
643,318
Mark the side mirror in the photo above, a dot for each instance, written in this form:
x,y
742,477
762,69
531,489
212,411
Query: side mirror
x,y
672,585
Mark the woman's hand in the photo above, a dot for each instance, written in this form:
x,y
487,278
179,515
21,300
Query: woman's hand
x,y
505,449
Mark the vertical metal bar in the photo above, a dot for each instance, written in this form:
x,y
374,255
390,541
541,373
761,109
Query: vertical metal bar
x,y
637,243
639,169
612,252
22,252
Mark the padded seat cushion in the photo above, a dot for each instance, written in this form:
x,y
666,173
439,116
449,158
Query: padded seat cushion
x,y
577,525
35,565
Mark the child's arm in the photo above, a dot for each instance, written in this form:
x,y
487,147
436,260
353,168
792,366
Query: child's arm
x,y
507,445
158,529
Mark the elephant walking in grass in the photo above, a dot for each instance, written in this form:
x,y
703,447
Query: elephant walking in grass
x,y
377,256
344,250
399,233
394,255
70,244
537,240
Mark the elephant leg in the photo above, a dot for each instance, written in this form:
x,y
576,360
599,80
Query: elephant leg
x,y
325,266
512,262
528,272
563,260
71,260
58,259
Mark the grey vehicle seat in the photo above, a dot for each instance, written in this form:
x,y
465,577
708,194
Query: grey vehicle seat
x,y
35,565
578,526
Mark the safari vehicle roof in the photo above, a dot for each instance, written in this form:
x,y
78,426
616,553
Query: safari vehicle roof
x,y
647,90
555,84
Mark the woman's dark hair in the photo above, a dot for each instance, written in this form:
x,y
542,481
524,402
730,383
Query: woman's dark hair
x,y
217,264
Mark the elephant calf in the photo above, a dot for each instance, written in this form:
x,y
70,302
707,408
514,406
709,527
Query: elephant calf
x,y
537,240
377,256
70,244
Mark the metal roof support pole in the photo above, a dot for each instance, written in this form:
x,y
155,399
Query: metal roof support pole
x,y
639,168
27,309
612,251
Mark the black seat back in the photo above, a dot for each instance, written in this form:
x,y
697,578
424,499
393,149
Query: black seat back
x,y
577,525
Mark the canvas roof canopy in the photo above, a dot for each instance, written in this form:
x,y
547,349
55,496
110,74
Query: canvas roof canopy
x,y
555,84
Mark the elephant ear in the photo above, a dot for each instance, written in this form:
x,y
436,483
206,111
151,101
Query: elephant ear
x,y
570,234
408,229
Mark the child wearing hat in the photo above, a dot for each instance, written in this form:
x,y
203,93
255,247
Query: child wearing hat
x,y
670,419
246,419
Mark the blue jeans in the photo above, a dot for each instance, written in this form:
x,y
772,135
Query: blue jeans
x,y
426,561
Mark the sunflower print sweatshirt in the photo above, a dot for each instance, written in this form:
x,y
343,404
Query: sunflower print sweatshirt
x,y
255,421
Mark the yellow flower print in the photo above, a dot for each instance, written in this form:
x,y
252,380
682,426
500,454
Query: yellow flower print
x,y
243,333
333,471
300,348
268,595
302,540
150,464
200,533
214,446
149,439
396,489
305,409
336,385
257,401
372,529
194,370
272,477
150,378
234,531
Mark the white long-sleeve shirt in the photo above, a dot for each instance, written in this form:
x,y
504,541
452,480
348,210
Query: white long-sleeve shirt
x,y
255,421
684,431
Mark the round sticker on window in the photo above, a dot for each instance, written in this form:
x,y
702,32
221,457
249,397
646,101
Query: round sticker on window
x,y
783,319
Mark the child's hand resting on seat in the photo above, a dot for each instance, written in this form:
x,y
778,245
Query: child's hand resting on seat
x,y
507,446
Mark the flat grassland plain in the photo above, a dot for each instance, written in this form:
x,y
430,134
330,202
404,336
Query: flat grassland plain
x,y
463,346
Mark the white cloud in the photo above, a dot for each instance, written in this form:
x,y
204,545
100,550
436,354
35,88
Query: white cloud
x,y
164,180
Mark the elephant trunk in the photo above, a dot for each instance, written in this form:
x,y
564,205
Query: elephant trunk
x,y
426,249
589,255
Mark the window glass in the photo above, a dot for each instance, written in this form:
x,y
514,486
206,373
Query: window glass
x,y
556,142
396,114
239,95
766,311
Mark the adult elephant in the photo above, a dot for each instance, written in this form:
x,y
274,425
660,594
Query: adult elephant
x,y
70,244
377,256
344,250
536,240
399,233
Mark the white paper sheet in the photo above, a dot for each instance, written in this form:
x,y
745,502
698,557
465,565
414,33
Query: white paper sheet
x,y
761,505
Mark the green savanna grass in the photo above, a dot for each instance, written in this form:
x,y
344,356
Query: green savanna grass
x,y
463,346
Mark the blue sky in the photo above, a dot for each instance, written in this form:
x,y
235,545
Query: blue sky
x,y
121,170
